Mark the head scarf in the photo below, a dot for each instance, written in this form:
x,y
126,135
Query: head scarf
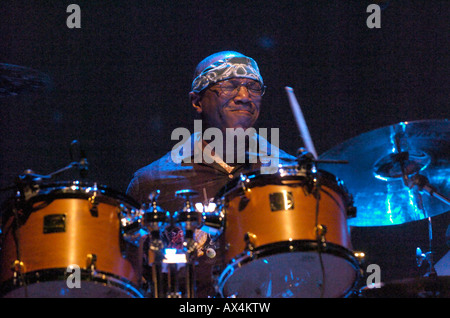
x,y
233,67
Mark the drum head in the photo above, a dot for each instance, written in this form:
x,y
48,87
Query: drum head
x,y
303,273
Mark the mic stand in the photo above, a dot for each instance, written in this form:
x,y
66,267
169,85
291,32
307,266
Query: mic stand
x,y
81,165
172,273
190,219
155,219
29,177
190,274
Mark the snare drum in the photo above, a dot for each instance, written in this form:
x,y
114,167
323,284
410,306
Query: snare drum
x,y
69,240
286,235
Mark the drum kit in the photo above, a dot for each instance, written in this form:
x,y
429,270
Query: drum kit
x,y
279,241
284,235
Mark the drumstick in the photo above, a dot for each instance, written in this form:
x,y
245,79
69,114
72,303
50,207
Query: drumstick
x,y
300,120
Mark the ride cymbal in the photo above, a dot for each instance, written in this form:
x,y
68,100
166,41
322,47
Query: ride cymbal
x,y
396,174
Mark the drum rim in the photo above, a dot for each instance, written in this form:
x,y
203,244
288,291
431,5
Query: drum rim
x,y
60,274
45,193
76,187
232,188
290,247
78,190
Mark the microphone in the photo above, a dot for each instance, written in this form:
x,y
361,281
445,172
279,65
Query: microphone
x,y
82,164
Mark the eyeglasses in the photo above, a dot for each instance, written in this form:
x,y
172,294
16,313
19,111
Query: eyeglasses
x,y
230,89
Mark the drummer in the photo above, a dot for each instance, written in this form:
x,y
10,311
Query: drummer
x,y
226,92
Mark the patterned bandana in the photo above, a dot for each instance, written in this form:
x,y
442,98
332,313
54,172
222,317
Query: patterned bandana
x,y
240,67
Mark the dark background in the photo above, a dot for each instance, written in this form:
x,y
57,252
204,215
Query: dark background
x,y
120,83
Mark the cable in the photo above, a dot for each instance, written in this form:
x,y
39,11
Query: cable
x,y
320,237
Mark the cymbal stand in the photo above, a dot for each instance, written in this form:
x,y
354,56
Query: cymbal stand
x,y
421,183
428,256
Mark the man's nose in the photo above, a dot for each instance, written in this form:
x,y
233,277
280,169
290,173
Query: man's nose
x,y
243,94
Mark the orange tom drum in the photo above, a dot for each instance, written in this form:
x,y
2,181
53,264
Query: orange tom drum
x,y
286,235
70,223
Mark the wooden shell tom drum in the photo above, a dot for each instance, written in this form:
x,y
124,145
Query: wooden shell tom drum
x,y
71,223
272,246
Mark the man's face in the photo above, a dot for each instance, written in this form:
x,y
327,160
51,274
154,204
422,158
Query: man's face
x,y
222,107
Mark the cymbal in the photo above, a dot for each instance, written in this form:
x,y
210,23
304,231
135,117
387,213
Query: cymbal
x,y
383,165
16,80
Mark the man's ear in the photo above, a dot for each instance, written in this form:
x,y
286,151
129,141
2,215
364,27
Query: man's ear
x,y
195,101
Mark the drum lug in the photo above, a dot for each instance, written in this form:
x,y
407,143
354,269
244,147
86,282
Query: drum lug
x,y
250,241
321,230
91,262
360,257
18,267
351,212
93,205
243,203
93,201
245,189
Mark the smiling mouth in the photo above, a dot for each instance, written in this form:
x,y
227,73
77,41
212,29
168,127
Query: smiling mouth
x,y
244,111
